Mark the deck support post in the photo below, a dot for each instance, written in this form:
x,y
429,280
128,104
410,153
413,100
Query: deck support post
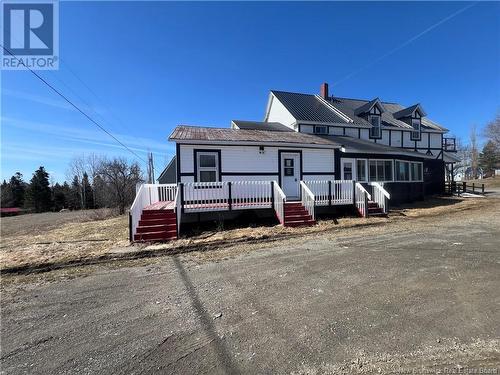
x,y
366,204
482,188
329,192
464,185
181,187
354,192
230,196
473,188
272,194
130,230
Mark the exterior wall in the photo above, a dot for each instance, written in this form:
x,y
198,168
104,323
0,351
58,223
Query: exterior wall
x,y
247,163
169,175
391,137
278,113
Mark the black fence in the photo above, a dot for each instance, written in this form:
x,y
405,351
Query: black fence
x,y
453,187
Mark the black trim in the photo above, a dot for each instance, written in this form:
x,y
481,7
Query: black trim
x,y
318,173
249,173
187,174
195,161
321,146
390,137
178,160
359,133
130,231
230,195
279,163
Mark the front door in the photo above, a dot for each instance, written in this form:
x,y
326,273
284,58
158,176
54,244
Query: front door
x,y
290,174
348,169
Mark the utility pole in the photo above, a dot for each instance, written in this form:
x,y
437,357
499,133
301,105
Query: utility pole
x,y
151,169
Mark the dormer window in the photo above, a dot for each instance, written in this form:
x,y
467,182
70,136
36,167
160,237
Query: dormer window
x,y
375,131
415,123
320,129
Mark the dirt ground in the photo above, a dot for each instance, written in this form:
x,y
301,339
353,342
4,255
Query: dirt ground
x,y
60,239
415,295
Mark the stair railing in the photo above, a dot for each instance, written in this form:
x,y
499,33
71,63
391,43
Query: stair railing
x,y
381,196
307,198
141,200
361,199
178,208
279,198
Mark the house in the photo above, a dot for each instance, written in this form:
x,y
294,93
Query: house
x,y
310,152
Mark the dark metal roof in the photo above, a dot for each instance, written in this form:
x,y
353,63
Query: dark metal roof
x,y
365,108
196,133
367,147
306,107
256,125
406,112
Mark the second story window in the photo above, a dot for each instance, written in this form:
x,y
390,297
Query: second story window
x,y
375,131
320,129
415,134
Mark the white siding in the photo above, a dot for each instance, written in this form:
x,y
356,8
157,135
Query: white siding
x,y
435,140
278,113
365,134
248,159
307,129
321,177
337,131
407,142
424,140
351,132
317,160
385,138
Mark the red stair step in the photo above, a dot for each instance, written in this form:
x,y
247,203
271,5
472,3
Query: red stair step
x,y
156,236
299,223
159,221
156,228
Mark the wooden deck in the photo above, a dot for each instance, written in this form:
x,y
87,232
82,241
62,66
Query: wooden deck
x,y
165,205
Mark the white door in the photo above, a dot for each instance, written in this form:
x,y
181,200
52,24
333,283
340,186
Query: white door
x,y
348,169
290,174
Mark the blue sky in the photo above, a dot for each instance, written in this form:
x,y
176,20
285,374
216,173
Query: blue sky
x,y
151,66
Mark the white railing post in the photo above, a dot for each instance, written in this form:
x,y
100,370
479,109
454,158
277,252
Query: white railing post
x,y
307,198
381,196
361,199
279,202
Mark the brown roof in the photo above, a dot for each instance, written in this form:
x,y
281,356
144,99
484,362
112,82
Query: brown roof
x,y
196,133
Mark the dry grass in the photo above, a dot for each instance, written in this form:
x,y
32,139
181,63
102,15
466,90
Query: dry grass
x,y
83,239
78,239
490,182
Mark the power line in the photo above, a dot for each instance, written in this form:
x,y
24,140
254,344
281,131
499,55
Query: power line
x,y
404,44
75,106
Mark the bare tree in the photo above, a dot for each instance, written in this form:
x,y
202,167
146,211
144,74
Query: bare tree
x,y
474,152
121,179
492,130
77,167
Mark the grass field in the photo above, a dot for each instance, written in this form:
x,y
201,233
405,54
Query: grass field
x,y
58,238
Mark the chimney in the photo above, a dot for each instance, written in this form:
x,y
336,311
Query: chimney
x,y
324,91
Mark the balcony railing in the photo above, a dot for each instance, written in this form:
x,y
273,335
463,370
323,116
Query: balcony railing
x,y
449,144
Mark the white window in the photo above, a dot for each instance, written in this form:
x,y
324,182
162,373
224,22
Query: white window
x,y
380,170
361,170
320,129
402,170
415,134
375,131
208,166
416,171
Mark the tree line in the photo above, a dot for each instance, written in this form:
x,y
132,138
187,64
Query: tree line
x,y
475,163
95,182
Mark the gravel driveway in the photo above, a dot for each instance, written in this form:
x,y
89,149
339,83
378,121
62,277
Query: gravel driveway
x,y
385,299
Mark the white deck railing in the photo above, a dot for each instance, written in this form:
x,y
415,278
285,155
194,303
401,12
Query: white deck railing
x,y
361,198
250,194
307,198
178,210
146,195
279,202
332,192
225,196
380,196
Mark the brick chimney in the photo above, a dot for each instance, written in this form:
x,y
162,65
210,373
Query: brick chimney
x,y
323,91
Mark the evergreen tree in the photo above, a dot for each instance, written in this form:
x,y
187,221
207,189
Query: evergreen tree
x,y
60,197
75,201
6,195
38,194
88,194
18,189
489,157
